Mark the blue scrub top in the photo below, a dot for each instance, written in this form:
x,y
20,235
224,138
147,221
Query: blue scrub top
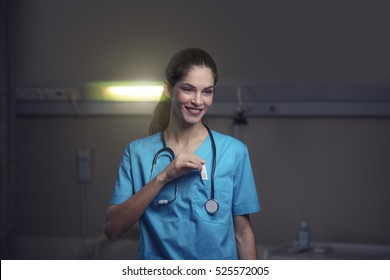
x,y
183,229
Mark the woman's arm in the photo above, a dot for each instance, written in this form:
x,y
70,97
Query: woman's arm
x,y
245,239
121,217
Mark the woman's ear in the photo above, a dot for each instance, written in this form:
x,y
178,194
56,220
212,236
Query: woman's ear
x,y
167,89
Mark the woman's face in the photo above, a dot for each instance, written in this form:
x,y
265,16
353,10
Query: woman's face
x,y
193,95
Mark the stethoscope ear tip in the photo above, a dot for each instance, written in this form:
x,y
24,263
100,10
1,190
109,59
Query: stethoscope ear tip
x,y
163,201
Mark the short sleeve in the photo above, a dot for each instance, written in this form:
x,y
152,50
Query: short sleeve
x,y
124,183
245,199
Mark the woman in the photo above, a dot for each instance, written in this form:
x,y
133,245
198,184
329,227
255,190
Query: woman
x,y
197,205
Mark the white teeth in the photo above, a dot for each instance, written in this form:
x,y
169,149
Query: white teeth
x,y
192,110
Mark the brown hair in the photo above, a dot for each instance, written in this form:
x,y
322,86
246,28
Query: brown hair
x,y
177,68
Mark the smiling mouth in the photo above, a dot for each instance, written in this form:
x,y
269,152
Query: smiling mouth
x,y
194,111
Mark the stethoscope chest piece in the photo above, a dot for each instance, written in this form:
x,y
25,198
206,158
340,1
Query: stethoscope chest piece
x,y
211,206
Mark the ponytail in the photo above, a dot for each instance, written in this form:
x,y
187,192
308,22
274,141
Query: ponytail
x,y
162,112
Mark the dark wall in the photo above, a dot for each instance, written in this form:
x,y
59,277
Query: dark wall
x,y
331,172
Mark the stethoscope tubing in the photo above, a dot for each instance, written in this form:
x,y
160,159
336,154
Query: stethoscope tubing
x,y
172,155
214,148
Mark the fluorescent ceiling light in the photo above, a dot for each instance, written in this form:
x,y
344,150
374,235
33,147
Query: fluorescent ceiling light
x,y
132,92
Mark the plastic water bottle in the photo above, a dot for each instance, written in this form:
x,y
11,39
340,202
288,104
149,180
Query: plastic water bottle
x,y
304,236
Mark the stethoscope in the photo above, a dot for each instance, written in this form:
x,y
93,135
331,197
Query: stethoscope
x,y
211,204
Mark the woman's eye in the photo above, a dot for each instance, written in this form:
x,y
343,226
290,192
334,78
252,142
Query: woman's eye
x,y
187,89
209,91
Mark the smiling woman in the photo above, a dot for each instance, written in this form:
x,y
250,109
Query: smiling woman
x,y
192,96
178,67
196,204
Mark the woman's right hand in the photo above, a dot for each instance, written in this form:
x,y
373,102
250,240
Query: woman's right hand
x,y
181,165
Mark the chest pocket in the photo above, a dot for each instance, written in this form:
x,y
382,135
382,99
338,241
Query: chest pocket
x,y
222,194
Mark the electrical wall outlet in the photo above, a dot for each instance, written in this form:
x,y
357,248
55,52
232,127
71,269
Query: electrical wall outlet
x,y
58,94
47,94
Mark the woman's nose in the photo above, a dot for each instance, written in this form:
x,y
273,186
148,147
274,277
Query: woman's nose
x,y
197,100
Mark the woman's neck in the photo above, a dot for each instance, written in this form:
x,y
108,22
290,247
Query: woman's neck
x,y
185,139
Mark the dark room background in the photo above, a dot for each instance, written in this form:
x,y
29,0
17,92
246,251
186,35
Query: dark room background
x,y
329,169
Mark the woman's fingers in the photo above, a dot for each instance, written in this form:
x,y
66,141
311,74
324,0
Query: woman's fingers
x,y
183,164
189,161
